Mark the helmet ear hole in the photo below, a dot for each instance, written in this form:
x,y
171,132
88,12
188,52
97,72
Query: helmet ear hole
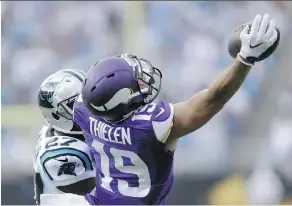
x,y
111,75
57,117
93,88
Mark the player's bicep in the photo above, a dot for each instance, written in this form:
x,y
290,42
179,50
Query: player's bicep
x,y
191,115
65,164
70,169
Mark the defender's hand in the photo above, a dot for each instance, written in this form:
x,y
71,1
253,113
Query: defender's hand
x,y
255,42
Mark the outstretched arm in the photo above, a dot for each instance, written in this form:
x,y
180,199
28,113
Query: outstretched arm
x,y
199,109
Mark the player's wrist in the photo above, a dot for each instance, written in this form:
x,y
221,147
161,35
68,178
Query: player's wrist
x,y
247,60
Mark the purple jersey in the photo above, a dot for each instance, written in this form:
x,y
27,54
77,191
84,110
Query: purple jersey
x,y
131,162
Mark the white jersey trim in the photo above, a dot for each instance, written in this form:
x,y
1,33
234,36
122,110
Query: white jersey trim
x,y
162,129
63,199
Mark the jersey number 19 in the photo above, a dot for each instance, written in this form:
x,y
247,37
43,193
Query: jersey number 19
x,y
138,168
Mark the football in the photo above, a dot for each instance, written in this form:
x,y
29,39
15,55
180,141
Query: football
x,y
234,43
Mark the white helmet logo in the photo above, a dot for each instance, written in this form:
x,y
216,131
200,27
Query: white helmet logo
x,y
122,96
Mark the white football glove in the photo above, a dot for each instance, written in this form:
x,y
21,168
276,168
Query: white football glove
x,y
262,35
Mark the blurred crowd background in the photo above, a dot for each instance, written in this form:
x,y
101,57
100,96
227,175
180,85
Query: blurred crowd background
x,y
244,150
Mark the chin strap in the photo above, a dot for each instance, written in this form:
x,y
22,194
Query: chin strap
x,y
69,132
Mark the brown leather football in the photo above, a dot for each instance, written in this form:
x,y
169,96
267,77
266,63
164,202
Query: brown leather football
x,y
234,43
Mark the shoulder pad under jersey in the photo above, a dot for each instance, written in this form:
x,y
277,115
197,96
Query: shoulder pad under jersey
x,y
157,116
64,160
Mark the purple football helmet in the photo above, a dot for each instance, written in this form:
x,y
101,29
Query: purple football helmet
x,y
116,86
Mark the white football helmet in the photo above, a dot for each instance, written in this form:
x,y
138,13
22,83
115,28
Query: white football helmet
x,y
56,98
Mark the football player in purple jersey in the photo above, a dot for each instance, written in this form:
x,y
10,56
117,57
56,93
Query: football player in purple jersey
x,y
133,139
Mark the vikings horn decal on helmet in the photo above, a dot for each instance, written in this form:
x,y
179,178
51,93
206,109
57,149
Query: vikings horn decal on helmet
x,y
56,97
116,86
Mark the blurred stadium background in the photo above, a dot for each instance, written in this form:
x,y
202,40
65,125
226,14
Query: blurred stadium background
x,y
188,41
